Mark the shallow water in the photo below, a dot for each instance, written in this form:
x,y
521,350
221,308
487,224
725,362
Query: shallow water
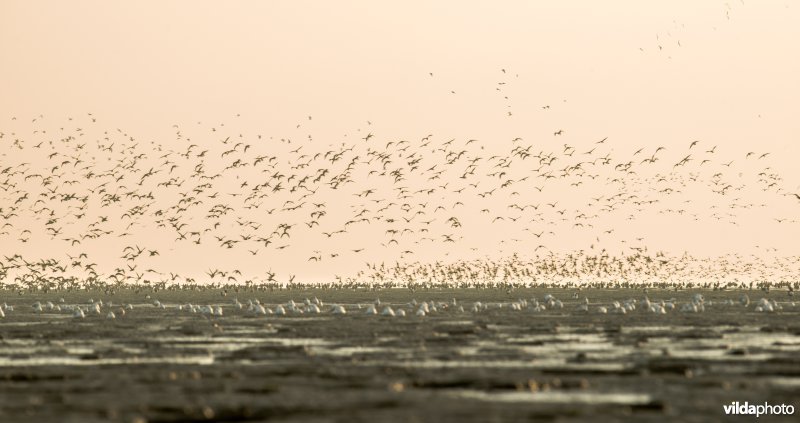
x,y
164,365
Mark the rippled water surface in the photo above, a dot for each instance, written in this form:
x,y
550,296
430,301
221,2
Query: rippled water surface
x,y
165,364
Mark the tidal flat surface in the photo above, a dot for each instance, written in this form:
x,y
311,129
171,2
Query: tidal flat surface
x,y
504,361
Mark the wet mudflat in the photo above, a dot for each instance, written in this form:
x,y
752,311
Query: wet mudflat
x,y
505,361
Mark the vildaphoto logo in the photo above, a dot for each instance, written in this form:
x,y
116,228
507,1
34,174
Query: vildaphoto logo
x,y
747,409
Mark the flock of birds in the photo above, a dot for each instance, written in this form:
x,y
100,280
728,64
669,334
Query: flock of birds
x,y
254,307
78,188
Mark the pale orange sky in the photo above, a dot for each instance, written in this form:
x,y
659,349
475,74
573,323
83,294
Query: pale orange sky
x,y
606,69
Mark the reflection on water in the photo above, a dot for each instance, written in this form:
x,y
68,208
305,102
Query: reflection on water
x,y
555,397
545,363
78,361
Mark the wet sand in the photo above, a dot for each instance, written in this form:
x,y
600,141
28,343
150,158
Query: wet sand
x,y
164,365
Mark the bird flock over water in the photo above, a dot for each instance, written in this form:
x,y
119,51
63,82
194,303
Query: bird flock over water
x,y
72,190
549,304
